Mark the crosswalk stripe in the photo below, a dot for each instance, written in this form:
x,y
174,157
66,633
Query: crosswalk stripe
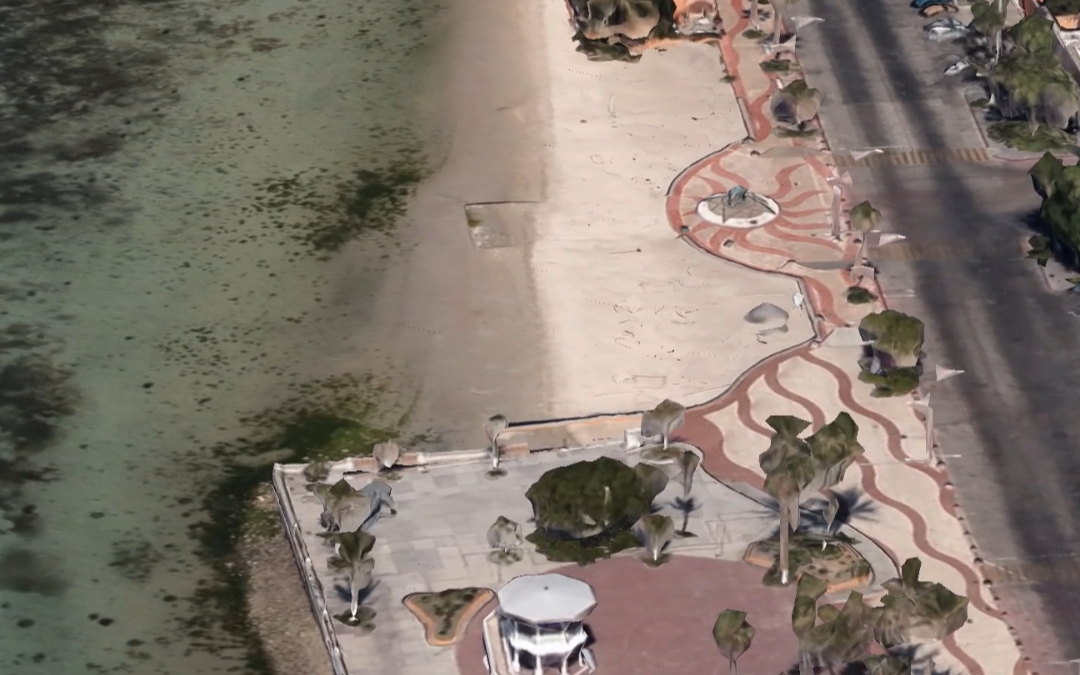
x,y
917,157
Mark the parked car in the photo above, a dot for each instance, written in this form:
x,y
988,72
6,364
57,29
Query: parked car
x,y
937,8
923,4
946,30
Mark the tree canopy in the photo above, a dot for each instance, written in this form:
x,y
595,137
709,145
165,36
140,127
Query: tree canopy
x,y
1029,81
894,334
590,498
797,103
1060,210
916,611
1033,34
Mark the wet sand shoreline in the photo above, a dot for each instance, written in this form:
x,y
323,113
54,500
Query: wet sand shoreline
x,y
478,305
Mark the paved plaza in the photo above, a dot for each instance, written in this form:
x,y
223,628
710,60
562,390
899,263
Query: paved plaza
x,y
436,541
652,620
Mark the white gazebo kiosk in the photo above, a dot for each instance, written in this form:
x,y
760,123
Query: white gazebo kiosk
x,y
542,615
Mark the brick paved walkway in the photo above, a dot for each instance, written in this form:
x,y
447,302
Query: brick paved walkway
x,y
651,621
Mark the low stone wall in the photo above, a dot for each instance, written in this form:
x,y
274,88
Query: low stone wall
x,y
311,581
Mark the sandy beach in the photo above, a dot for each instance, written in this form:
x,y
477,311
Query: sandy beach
x,y
462,321
460,325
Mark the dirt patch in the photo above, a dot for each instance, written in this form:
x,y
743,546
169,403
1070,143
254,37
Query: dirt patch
x,y
446,615
277,602
838,563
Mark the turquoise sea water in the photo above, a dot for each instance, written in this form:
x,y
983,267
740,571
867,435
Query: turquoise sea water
x,y
176,179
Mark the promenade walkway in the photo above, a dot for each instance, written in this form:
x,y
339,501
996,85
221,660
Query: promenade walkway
x,y
915,512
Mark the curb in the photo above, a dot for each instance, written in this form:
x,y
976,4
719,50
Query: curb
x,y
1010,155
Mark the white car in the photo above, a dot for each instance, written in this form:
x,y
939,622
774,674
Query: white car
x,y
946,30
959,67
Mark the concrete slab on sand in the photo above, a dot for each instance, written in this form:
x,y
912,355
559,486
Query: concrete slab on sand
x,y
437,541
633,314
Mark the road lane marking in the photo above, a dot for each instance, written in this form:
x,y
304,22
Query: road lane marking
x,y
915,157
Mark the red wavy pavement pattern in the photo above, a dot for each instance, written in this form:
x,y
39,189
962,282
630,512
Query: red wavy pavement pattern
x,y
777,240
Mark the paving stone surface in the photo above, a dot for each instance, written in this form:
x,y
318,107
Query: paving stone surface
x,y
651,620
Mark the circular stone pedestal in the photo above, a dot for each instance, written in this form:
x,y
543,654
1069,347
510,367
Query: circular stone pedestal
x,y
753,211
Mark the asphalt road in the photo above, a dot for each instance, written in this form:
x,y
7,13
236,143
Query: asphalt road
x,y
1013,417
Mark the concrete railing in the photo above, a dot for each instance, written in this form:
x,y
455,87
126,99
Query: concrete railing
x,y
316,594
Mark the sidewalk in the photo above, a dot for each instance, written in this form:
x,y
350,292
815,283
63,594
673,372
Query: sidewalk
x,y
914,512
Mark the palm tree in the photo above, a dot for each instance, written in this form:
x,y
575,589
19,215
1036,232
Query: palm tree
x,y
785,444
779,7
504,538
733,636
795,468
844,636
344,507
916,611
989,20
797,103
688,462
663,420
352,558
864,219
655,532
386,454
492,428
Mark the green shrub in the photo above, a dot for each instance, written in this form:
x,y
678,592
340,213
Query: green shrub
x,y
589,499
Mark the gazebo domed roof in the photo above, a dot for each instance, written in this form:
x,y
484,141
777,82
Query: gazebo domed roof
x,y
546,598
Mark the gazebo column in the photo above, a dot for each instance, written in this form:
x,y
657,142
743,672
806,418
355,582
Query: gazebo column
x,y
565,659
516,660
538,664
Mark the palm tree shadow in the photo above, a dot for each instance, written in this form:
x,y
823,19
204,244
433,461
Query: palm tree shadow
x,y
342,592
854,505
590,637
860,668
1033,223
685,507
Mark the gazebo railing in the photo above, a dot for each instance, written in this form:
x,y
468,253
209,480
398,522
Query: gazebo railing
x,y
551,642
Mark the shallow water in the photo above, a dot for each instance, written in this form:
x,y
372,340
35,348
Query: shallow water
x,y
174,178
